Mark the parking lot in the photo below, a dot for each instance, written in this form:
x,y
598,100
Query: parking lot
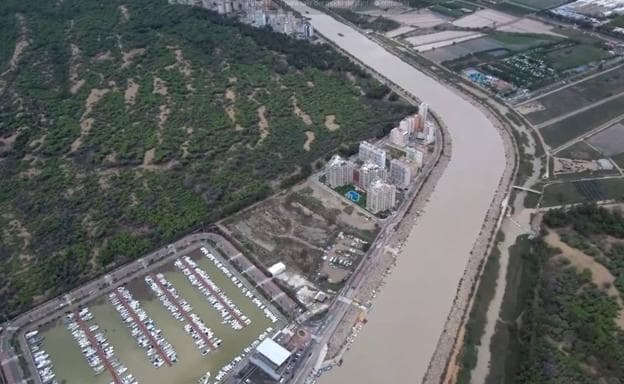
x,y
189,317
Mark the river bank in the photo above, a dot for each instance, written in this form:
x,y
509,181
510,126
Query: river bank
x,y
411,311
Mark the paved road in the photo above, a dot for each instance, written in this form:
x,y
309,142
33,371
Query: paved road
x,y
409,315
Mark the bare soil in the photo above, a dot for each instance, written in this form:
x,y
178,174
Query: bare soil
x,y
124,13
307,120
131,92
129,56
309,140
330,122
263,122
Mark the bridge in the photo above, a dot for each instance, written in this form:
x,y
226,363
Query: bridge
x,y
527,189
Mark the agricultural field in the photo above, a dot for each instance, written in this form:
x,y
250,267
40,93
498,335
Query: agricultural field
x,y
610,141
493,46
408,17
582,191
581,151
578,124
577,96
190,362
298,228
126,124
375,23
539,4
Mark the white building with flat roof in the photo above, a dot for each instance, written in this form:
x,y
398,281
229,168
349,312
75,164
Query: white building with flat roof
x,y
380,197
373,154
339,172
423,112
270,357
369,172
400,173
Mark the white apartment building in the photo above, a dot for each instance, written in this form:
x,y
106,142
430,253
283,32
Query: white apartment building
x,y
380,197
399,137
400,173
339,172
415,156
369,172
372,153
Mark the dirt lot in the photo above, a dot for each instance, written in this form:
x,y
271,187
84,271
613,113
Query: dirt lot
x,y
297,228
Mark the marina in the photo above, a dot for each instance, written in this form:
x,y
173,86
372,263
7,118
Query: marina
x,y
123,331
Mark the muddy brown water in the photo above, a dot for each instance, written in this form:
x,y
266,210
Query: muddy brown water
x,y
408,316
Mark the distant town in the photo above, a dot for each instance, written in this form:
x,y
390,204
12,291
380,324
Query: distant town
x,y
258,13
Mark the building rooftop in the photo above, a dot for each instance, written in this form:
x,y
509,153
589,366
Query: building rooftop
x,y
274,352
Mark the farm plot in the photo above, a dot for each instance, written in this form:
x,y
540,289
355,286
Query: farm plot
x,y
415,18
610,141
577,96
576,125
583,191
457,51
580,151
525,25
484,18
541,4
192,336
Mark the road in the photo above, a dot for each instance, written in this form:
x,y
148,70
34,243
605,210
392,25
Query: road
x,y
409,315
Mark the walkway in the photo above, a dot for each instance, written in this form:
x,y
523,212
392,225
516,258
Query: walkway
x,y
187,317
98,348
214,293
141,325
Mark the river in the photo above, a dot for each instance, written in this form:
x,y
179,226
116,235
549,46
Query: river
x,y
408,316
